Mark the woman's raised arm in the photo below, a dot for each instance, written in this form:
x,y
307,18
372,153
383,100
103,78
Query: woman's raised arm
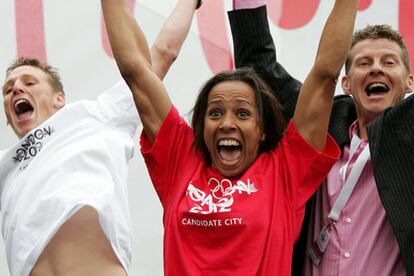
x,y
316,96
133,57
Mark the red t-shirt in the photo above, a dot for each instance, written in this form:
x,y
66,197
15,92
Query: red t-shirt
x,y
214,225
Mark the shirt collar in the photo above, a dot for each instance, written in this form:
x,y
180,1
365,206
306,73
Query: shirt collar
x,y
354,129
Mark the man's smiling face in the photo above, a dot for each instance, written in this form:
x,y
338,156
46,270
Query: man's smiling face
x,y
29,99
377,78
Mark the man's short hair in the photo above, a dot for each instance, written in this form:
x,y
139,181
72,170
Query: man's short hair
x,y
51,72
378,32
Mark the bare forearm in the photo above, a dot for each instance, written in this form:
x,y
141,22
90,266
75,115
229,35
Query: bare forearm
x,y
134,62
171,37
128,42
316,96
336,37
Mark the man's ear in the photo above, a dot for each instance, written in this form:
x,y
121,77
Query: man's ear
x,y
410,84
59,100
346,85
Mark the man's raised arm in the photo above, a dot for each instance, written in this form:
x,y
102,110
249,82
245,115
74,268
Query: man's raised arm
x,y
254,47
173,33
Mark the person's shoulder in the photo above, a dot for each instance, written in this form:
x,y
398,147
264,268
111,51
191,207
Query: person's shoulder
x,y
344,99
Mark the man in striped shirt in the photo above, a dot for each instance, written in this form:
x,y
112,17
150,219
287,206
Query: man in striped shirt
x,y
372,234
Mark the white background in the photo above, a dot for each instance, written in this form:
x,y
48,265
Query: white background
x,y
73,44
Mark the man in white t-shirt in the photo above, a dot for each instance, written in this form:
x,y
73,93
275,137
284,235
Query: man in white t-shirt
x,y
63,185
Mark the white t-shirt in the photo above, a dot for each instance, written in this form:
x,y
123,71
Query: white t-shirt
x,y
77,157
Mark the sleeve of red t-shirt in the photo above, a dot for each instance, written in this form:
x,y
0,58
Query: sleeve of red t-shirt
x,y
172,147
304,168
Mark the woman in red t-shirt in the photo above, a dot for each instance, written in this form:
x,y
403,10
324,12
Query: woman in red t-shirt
x,y
233,187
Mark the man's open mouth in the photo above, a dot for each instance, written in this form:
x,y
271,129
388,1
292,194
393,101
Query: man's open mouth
x,y
23,108
376,88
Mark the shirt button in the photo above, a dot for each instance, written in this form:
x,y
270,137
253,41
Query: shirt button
x,y
348,220
347,255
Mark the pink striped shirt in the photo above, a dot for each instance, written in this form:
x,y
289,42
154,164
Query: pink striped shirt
x,y
247,4
362,241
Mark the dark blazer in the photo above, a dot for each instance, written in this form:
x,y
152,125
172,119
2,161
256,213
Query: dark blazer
x,y
391,135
